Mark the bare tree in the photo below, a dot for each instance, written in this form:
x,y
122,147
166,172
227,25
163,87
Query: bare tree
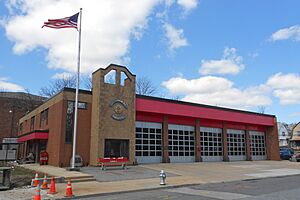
x,y
67,81
87,81
57,85
144,86
261,109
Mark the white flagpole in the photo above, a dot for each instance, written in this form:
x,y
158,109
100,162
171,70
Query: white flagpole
x,y
77,91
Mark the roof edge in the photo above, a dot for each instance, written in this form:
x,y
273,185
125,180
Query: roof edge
x,y
201,105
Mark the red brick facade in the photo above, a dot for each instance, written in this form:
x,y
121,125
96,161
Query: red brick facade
x,y
96,124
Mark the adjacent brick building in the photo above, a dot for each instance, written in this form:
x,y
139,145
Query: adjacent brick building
x,y
14,105
113,121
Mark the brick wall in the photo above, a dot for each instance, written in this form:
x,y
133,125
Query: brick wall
x,y
9,120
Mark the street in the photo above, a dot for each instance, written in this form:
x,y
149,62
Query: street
x,y
261,189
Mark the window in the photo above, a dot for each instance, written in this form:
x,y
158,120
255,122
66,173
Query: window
x,y
82,105
116,148
32,123
283,133
298,133
44,118
21,128
124,79
69,121
110,77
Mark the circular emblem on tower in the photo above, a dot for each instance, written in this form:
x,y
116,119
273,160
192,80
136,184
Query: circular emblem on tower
x,y
119,109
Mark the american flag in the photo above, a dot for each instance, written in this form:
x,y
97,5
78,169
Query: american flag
x,y
67,22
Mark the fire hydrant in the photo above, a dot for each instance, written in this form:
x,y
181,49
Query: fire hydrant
x,y
162,176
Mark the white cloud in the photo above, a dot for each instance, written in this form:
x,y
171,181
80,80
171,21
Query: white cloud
x,y
175,37
218,91
231,63
187,5
292,32
286,87
169,3
62,75
8,86
107,28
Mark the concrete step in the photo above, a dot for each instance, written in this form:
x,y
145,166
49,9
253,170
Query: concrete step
x,y
81,180
78,177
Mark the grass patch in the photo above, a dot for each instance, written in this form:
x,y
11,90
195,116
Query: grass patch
x,y
21,176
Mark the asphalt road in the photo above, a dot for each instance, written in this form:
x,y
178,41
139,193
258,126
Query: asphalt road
x,y
260,189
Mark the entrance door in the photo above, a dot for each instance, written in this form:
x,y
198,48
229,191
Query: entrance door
x,y
258,147
116,148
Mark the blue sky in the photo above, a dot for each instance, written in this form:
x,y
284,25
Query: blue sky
x,y
231,53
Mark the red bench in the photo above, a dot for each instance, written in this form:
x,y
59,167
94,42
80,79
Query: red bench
x,y
114,161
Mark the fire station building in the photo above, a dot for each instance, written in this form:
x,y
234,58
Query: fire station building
x,y
113,121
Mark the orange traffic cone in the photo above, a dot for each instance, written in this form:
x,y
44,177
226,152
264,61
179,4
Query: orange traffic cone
x,y
36,180
37,193
69,192
45,183
52,187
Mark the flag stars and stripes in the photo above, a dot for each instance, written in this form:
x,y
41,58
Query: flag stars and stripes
x,y
67,22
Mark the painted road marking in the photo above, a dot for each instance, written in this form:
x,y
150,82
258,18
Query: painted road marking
x,y
211,194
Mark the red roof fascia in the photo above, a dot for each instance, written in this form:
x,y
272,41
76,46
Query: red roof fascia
x,y
170,108
34,136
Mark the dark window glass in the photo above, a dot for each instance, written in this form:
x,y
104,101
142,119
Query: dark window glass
x,y
152,136
138,141
138,147
145,153
152,130
32,123
138,129
116,148
69,121
145,130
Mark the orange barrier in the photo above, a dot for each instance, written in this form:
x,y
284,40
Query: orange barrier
x,y
37,193
52,187
36,180
69,192
45,183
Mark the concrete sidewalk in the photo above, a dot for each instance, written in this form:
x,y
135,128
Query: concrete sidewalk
x,y
188,174
59,172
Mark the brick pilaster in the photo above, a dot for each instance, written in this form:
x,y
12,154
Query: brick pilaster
x,y
165,141
272,145
225,146
198,157
248,145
